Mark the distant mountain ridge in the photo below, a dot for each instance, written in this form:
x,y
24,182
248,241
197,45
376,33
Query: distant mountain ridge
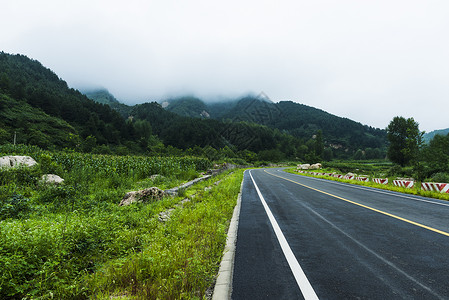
x,y
101,96
44,111
299,120
430,135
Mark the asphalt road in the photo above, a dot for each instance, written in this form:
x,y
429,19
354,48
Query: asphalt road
x,y
346,241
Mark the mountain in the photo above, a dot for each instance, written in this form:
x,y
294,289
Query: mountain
x,y
187,106
24,123
430,135
185,132
298,120
101,96
40,109
39,102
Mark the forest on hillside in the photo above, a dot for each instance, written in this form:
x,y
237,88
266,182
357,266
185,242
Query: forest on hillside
x,y
38,108
344,137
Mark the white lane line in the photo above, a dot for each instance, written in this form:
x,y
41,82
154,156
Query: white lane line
x,y
374,190
301,279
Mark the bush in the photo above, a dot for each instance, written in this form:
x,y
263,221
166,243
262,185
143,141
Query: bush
x,y
440,177
395,171
19,176
14,206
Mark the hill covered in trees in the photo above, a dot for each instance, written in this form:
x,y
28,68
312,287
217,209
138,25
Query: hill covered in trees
x,y
31,91
427,137
301,121
42,110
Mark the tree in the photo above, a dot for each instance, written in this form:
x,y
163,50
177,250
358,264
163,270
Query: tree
x,y
405,140
436,154
319,145
328,155
359,155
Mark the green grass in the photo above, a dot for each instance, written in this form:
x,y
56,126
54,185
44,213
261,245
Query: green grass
x,y
73,241
180,258
413,191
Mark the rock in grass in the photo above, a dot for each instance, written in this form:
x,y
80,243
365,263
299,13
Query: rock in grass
x,y
15,161
146,195
51,179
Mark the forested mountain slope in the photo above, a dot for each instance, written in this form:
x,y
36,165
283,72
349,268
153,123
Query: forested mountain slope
x,y
299,120
24,80
430,135
103,96
40,107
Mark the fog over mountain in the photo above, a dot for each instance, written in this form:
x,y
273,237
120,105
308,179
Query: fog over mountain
x,y
365,60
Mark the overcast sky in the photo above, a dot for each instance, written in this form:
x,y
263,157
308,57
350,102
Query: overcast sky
x,y
365,60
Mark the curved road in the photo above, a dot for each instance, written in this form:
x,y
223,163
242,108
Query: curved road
x,y
306,238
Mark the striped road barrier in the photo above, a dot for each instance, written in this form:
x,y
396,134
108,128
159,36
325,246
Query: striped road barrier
x,y
380,180
404,183
362,178
437,187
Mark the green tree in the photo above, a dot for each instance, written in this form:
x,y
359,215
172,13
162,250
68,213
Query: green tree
x,y
328,155
359,155
436,154
405,140
319,144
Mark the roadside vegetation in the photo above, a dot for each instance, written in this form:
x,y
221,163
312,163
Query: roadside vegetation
x,y
73,241
353,167
409,158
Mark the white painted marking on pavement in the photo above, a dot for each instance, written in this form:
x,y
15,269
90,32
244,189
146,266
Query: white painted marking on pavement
x,y
300,277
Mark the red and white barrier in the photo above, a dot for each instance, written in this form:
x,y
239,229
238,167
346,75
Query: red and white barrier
x,y
337,175
437,187
317,173
348,177
380,180
362,178
404,183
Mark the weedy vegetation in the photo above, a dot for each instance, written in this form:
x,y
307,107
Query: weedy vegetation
x,y
73,241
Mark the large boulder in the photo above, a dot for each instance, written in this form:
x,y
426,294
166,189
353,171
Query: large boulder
x,y
304,167
315,166
15,161
146,195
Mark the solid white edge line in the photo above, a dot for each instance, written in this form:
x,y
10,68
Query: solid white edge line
x,y
300,277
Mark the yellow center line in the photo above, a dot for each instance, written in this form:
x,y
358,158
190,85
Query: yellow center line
x,y
365,206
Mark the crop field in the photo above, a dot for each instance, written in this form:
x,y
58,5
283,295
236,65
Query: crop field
x,y
73,241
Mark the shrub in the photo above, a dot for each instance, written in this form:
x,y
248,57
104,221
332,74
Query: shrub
x,y
14,206
395,171
440,177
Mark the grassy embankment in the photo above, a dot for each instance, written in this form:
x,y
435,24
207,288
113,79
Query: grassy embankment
x,y
73,241
372,170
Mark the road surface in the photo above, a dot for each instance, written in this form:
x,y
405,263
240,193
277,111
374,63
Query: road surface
x,y
306,238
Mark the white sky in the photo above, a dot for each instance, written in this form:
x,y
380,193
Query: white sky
x,y
361,59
